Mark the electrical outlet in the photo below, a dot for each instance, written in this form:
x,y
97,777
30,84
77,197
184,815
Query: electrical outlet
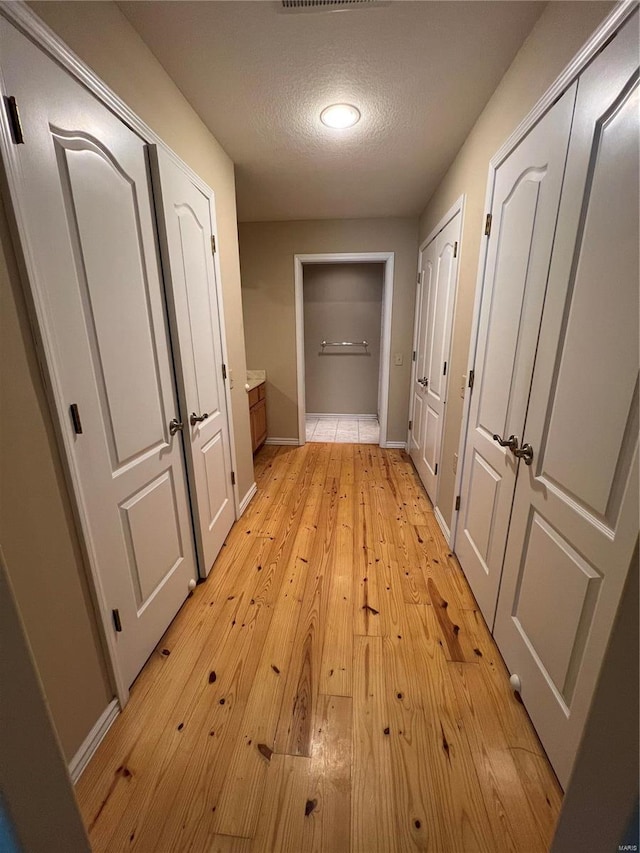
x,y
463,385
455,463
397,359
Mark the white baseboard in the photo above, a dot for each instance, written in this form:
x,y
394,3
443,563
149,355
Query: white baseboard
x,y
443,525
93,740
246,500
396,445
323,416
293,442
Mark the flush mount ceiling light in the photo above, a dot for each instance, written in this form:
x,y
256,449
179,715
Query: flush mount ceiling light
x,y
340,115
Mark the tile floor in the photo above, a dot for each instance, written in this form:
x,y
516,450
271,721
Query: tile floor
x,y
347,430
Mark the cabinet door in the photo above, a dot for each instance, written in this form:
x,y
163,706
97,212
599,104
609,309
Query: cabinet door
x,y
184,212
575,516
88,227
261,422
525,206
255,427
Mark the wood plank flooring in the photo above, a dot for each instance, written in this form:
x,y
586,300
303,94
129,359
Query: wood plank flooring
x,y
330,688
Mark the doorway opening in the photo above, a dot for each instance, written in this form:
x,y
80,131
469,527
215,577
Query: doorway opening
x,y
343,331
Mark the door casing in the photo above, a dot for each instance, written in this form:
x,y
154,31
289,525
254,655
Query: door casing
x,y
386,258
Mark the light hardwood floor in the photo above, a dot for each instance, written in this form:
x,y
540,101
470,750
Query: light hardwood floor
x,y
331,687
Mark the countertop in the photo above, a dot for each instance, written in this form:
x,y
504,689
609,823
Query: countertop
x,y
255,378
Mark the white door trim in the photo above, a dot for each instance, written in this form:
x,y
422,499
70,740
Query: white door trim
x,y
592,46
386,258
30,25
457,207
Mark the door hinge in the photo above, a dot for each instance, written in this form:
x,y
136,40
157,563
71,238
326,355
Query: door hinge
x,y
457,503
117,624
410,425
436,471
444,369
455,249
487,225
213,243
75,418
14,119
224,371
471,378
413,356
233,478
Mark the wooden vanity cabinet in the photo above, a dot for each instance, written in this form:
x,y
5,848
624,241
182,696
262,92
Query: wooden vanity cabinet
x,y
258,415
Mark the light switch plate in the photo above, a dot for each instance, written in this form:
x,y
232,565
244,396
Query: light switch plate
x,y
397,359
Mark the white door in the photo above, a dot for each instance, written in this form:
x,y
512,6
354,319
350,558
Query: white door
x,y
575,515
86,210
524,210
439,273
186,221
419,381
439,325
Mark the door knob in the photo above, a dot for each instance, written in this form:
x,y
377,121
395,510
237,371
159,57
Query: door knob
x,y
196,419
174,426
424,381
511,442
526,453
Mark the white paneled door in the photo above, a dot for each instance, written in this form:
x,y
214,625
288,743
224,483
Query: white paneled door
x,y
524,210
435,306
87,225
186,221
418,407
575,514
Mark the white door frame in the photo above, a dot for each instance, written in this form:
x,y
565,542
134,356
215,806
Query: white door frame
x,y
386,258
28,23
457,207
598,39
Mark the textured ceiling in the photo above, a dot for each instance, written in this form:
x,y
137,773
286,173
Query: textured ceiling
x,y
420,73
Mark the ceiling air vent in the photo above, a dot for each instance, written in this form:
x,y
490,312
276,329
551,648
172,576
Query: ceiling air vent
x,y
328,5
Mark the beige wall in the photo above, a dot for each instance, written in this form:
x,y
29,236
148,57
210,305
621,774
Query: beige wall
x,y
266,255
36,527
34,785
37,531
342,302
557,36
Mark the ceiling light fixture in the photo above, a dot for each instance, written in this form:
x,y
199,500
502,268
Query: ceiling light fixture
x,y
340,116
